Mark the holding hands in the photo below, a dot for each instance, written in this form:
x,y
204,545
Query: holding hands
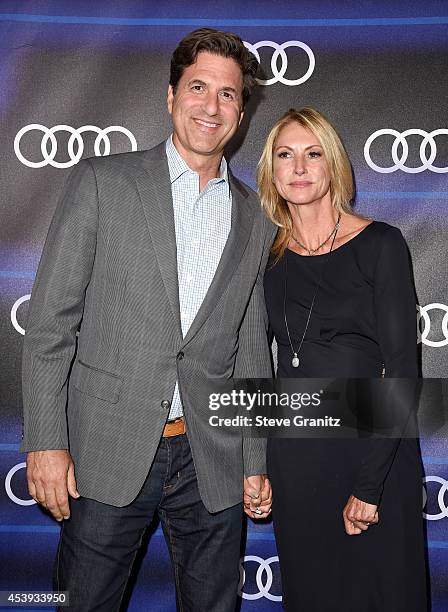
x,y
257,496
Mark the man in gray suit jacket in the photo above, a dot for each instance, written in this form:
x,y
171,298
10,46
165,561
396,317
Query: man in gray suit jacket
x,y
150,283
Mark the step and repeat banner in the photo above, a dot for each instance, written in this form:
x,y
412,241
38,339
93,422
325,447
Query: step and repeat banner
x,y
81,79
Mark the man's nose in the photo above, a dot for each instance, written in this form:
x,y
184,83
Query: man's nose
x,y
211,104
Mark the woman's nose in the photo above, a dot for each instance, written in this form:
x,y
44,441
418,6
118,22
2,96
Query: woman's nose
x,y
299,166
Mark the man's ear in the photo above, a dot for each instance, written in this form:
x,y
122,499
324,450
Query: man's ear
x,y
241,118
169,99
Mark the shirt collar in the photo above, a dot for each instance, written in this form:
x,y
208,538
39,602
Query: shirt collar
x,y
177,166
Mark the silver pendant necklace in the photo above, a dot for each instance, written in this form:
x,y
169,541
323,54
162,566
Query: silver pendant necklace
x,y
314,251
295,362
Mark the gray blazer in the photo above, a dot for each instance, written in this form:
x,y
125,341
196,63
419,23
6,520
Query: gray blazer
x,y
109,271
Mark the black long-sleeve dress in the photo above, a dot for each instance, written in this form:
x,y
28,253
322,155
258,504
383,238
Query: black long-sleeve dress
x,y
364,316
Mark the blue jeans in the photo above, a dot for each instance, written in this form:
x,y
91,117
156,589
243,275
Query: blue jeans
x,y
99,542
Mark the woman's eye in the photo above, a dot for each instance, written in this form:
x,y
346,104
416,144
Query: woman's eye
x,y
283,154
315,154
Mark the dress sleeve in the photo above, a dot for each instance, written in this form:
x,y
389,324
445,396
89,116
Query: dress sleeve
x,y
394,301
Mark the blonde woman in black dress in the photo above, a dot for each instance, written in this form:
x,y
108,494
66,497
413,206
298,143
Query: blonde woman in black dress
x,y
340,298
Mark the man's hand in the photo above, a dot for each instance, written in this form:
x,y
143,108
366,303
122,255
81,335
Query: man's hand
x,y
51,477
257,496
358,516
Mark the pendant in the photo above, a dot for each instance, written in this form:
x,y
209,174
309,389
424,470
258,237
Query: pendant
x,y
295,361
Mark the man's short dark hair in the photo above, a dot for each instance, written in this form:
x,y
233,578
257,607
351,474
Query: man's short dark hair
x,y
225,44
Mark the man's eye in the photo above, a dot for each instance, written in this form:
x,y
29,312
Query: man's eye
x,y
197,87
227,95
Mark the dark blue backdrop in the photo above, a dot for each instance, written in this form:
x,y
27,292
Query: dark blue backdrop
x,y
377,65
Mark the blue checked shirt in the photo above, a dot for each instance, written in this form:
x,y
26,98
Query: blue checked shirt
x,y
202,223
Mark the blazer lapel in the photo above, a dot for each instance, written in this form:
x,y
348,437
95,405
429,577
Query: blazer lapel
x,y
241,226
155,192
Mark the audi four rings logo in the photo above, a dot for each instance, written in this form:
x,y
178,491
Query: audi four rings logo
x,y
428,138
264,586
75,136
440,498
14,310
279,52
422,314
8,479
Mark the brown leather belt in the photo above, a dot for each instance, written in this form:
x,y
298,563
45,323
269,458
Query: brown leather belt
x,y
174,428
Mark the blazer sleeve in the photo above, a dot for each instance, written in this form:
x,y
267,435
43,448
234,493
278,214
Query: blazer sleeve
x,y
395,302
253,359
55,311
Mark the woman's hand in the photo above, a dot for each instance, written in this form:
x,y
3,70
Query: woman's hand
x,y
257,496
358,516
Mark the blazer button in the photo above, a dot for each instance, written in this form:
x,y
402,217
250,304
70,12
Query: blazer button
x,y
166,404
180,355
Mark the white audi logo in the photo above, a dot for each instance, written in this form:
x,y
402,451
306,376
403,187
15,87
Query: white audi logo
x,y
428,138
263,586
440,498
279,51
12,497
14,309
422,314
75,136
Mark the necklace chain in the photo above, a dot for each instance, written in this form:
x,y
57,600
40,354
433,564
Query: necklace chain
x,y
313,251
295,358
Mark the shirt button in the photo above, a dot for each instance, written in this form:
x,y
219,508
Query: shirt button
x,y
166,404
180,355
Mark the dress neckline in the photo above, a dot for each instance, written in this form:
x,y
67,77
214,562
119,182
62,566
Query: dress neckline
x,y
334,250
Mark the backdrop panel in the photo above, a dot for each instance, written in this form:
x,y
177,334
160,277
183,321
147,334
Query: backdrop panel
x,y
80,79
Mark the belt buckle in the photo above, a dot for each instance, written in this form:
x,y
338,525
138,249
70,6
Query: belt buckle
x,y
177,424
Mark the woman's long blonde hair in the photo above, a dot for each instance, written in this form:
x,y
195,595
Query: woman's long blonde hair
x,y
341,177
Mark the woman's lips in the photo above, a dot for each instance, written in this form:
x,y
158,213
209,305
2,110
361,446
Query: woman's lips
x,y
300,184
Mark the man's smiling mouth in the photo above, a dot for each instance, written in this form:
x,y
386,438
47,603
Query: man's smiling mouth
x,y
207,123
